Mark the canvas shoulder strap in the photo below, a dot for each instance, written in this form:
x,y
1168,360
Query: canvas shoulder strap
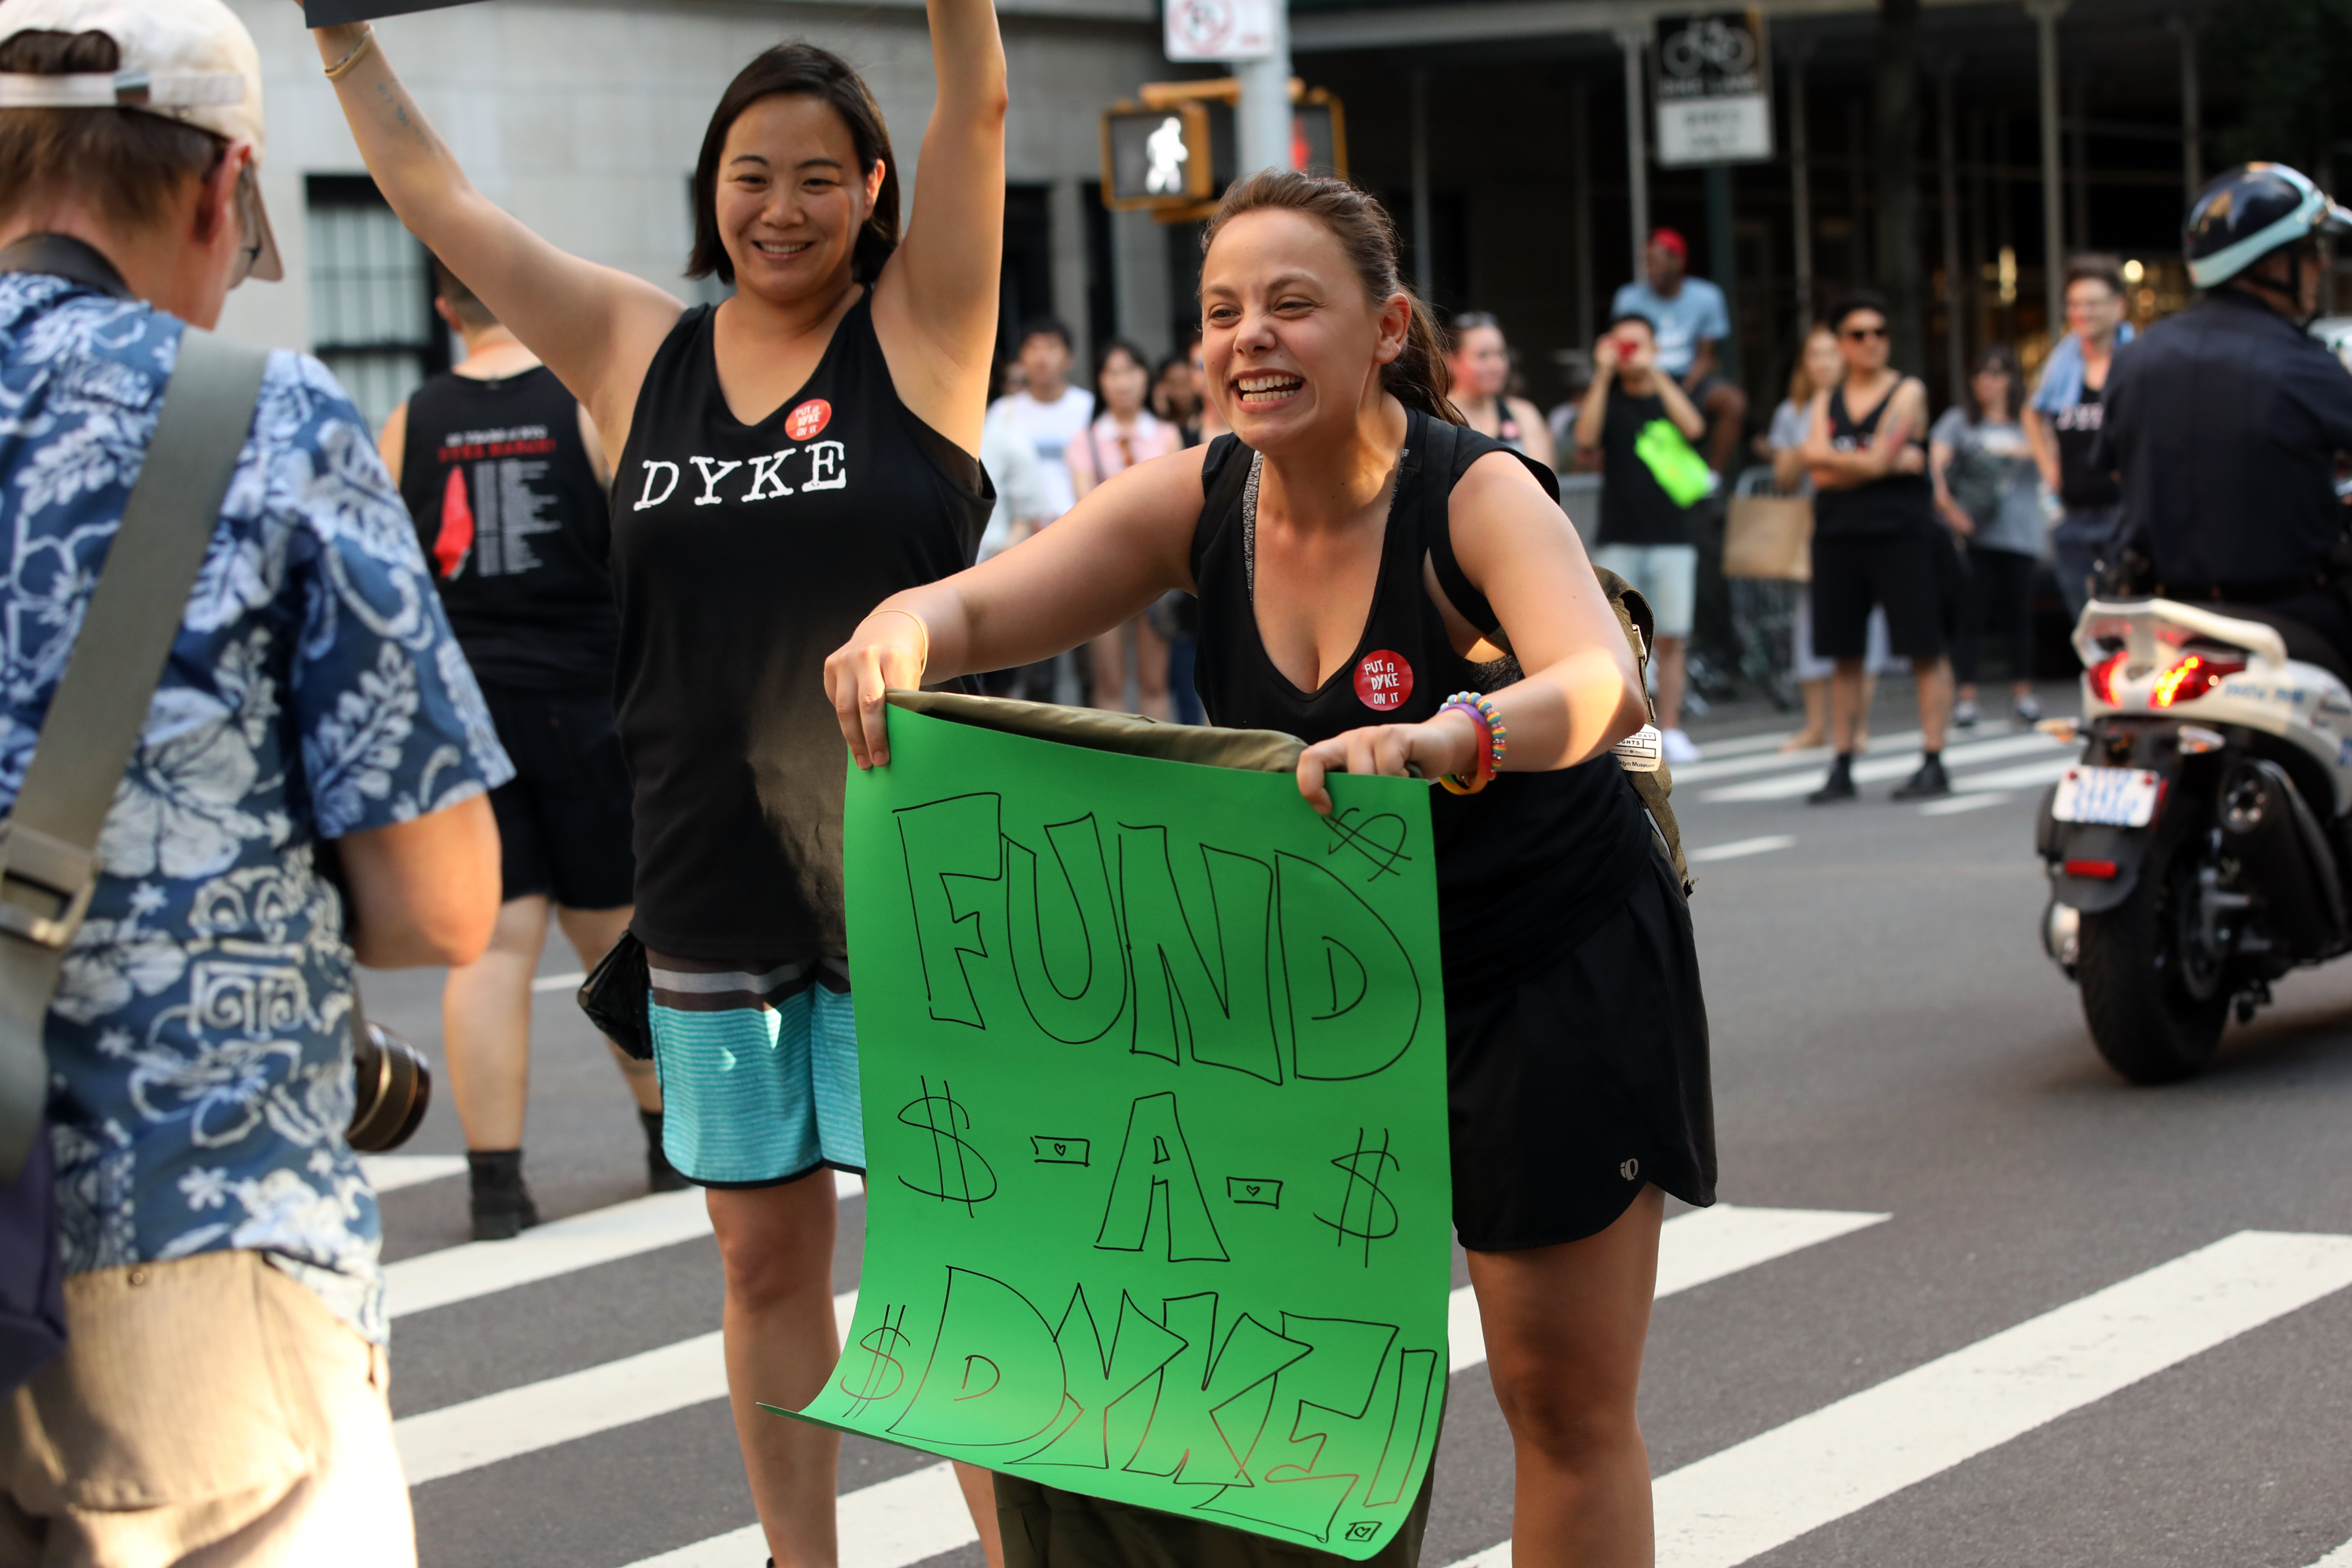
x,y
48,843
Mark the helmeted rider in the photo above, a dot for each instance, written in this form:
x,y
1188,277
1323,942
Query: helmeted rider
x,y
2224,421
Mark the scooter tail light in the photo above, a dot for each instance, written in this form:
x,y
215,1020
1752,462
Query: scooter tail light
x,y
2103,870
2104,674
2192,677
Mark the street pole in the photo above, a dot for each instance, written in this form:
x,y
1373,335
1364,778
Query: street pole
x,y
2192,113
1425,266
1948,154
1800,196
1724,245
1579,199
1265,113
2045,13
1633,40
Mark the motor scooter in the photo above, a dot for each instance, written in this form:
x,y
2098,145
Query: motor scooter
x,y
2199,850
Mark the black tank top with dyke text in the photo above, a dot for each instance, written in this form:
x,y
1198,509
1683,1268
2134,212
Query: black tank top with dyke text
x,y
743,554
512,517
1527,866
1890,505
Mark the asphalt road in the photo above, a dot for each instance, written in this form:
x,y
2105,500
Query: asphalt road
x,y
2095,1325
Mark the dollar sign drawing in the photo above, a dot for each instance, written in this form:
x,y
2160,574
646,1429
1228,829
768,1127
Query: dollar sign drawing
x,y
961,1175
1362,1201
881,1365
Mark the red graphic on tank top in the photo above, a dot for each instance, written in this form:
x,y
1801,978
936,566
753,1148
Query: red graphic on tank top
x,y
457,535
808,419
1383,680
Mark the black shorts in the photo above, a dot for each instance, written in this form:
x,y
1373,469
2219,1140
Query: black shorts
x,y
1900,571
563,819
1567,1094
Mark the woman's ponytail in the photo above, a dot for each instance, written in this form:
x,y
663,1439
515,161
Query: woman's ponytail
x,y
1417,377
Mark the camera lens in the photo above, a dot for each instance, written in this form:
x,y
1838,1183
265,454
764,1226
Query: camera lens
x,y
395,1088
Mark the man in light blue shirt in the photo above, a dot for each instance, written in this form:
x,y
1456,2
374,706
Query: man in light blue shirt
x,y
1691,319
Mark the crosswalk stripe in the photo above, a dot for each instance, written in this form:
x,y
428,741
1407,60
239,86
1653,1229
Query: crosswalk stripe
x,y
389,1173
1692,1249
572,982
1958,805
478,1268
564,1409
2339,1558
1740,848
1761,1494
1730,766
2047,771
1806,781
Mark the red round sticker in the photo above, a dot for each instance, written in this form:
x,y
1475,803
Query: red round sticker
x,y
808,419
1383,680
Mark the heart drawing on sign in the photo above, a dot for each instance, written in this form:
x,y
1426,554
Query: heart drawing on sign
x,y
1253,1189
1061,1148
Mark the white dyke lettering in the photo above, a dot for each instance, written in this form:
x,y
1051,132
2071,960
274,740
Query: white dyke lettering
x,y
712,471
768,477
826,471
649,500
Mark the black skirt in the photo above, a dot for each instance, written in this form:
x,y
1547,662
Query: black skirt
x,y
1568,1092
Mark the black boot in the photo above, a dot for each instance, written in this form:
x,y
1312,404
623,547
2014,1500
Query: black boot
x,y
1929,781
502,1205
1839,785
661,1176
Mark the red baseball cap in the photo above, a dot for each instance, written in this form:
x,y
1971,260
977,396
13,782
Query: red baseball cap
x,y
1672,240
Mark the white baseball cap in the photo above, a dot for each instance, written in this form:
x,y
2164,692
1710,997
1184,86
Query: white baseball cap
x,y
189,60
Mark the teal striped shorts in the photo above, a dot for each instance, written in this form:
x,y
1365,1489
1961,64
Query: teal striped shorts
x,y
759,1071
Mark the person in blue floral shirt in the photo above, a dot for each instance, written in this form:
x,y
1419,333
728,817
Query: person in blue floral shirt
x,y
198,1040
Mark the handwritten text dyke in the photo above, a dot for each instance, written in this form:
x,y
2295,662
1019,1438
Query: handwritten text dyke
x,y
1152,1061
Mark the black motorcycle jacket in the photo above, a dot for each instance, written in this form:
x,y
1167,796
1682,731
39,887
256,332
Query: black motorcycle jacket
x,y
2224,423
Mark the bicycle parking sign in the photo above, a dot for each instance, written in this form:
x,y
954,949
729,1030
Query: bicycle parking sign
x,y
1713,82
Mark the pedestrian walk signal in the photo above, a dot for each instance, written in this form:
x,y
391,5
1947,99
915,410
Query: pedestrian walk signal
x,y
1173,152
1156,157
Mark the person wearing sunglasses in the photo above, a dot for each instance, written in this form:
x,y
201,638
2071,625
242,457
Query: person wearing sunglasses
x,y
1875,538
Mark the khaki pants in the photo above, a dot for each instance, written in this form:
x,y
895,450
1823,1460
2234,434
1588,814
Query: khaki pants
x,y
208,1412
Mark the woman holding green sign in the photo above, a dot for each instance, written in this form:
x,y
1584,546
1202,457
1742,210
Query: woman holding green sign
x,y
1358,555
781,460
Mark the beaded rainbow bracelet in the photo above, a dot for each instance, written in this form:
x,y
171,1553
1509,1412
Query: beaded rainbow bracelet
x,y
1498,734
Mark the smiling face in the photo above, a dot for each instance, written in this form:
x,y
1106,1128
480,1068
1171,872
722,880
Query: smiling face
x,y
1480,362
792,199
1292,348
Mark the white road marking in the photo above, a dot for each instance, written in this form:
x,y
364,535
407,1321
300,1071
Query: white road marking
x,y
1740,848
1761,1494
1956,805
1789,786
389,1173
2339,1558
1813,756
928,1516
2031,775
478,1269
522,1420
918,1515
572,982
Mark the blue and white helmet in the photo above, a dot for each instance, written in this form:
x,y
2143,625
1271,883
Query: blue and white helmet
x,y
2248,213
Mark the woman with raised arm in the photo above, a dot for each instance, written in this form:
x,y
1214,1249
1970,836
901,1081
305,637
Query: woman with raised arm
x,y
1358,554
782,461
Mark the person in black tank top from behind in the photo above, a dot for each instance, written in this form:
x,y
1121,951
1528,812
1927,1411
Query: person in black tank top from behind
x,y
781,461
1877,540
1358,555
505,478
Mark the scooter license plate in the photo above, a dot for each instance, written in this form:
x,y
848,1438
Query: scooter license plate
x,y
2115,797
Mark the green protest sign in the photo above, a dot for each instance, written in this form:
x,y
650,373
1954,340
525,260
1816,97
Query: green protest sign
x,y
1153,1060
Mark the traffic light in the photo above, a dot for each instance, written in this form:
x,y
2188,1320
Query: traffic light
x,y
1156,157
1171,154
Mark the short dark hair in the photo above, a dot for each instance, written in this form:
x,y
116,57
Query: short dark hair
x,y
131,163
1119,346
1046,327
463,303
802,70
1859,299
1995,356
1630,318
2105,268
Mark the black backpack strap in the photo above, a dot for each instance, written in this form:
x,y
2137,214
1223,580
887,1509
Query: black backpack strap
x,y
49,844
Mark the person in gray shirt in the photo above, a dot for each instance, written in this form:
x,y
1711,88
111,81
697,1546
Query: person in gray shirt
x,y
1987,489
